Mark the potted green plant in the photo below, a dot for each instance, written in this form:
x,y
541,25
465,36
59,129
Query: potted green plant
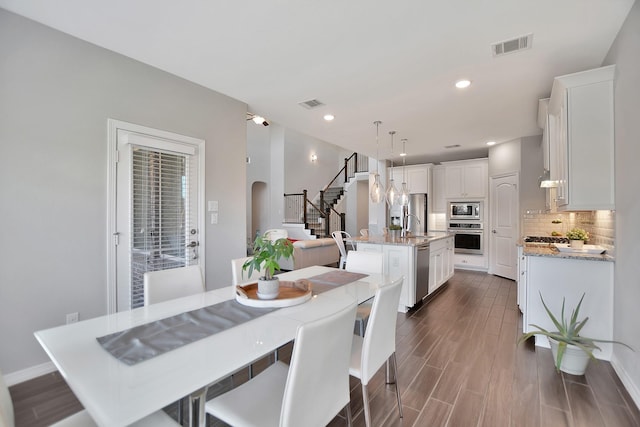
x,y
266,253
577,236
571,352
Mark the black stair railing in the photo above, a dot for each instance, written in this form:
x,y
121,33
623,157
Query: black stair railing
x,y
300,210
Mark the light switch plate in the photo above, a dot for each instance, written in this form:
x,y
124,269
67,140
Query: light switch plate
x,y
213,206
214,218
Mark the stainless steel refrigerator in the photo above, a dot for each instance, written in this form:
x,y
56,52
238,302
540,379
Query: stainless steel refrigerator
x,y
415,214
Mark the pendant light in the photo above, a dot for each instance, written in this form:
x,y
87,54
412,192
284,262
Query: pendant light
x,y
377,189
404,189
393,195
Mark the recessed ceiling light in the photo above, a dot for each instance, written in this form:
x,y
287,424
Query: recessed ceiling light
x,y
491,143
461,84
329,117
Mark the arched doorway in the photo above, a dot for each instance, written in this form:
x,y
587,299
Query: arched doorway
x,y
259,208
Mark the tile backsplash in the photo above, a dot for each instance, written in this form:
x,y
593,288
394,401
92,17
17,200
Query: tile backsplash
x,y
599,224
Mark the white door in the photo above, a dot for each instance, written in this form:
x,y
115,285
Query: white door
x,y
156,204
504,226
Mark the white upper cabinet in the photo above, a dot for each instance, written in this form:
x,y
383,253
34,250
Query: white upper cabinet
x,y
417,177
466,179
580,128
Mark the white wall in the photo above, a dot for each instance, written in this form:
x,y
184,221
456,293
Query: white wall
x,y
624,53
57,93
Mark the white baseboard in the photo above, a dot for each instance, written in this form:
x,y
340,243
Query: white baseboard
x,y
29,373
631,387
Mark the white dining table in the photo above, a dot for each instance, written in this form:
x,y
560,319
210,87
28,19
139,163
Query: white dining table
x,y
116,394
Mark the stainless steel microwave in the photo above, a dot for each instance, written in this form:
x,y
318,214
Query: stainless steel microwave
x,y
465,211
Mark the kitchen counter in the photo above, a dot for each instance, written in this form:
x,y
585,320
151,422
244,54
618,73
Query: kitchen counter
x,y
401,241
548,250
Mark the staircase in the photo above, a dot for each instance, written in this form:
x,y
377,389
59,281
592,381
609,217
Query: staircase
x,y
331,197
320,217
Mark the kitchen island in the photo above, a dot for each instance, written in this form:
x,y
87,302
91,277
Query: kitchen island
x,y
544,270
425,261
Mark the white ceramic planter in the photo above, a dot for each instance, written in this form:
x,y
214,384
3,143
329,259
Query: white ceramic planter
x,y
268,289
577,244
574,361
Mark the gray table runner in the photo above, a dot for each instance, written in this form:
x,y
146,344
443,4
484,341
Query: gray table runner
x,y
329,280
143,342
146,341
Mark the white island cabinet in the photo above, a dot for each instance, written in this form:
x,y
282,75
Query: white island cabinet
x,y
440,263
399,258
555,278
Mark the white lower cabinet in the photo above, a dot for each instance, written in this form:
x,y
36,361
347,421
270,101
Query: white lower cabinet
x,y
398,260
521,280
470,262
440,262
556,278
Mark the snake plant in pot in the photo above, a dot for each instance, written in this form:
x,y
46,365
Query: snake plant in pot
x,y
571,351
266,253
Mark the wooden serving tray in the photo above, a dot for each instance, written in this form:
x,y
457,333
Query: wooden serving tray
x,y
291,293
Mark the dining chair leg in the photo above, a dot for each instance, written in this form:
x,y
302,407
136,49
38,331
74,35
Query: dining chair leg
x,y
365,403
181,410
197,414
347,410
394,362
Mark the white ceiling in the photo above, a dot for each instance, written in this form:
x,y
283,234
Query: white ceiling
x,y
394,61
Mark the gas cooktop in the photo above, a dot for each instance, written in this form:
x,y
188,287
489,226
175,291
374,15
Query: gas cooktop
x,y
544,239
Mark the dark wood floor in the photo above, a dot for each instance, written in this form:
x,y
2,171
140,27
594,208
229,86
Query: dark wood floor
x,y
459,365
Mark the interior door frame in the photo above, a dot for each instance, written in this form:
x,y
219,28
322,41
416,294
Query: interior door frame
x,y
112,132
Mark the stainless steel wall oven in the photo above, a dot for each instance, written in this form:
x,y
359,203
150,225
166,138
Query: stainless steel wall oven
x,y
468,237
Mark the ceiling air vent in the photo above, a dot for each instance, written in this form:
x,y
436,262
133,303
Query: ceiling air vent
x,y
310,104
453,146
513,45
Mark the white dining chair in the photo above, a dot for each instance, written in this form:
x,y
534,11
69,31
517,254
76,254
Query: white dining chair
x,y
378,346
309,392
240,277
339,237
79,419
164,285
369,263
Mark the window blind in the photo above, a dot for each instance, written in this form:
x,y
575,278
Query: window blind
x,y
160,217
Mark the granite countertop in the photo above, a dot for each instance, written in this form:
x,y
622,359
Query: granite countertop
x,y
548,250
402,241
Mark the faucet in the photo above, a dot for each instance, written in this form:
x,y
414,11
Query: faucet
x,y
406,223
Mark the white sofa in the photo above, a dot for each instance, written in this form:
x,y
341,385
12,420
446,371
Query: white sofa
x,y
312,252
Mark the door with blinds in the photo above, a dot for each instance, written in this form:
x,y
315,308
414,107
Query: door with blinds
x,y
157,203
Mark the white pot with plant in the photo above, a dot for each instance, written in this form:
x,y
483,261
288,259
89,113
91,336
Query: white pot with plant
x,y
571,352
266,254
577,236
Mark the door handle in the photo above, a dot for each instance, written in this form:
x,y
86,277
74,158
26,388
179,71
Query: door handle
x,y
494,231
193,244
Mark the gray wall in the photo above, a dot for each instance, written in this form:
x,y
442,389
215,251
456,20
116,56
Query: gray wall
x,y
56,94
300,172
624,53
